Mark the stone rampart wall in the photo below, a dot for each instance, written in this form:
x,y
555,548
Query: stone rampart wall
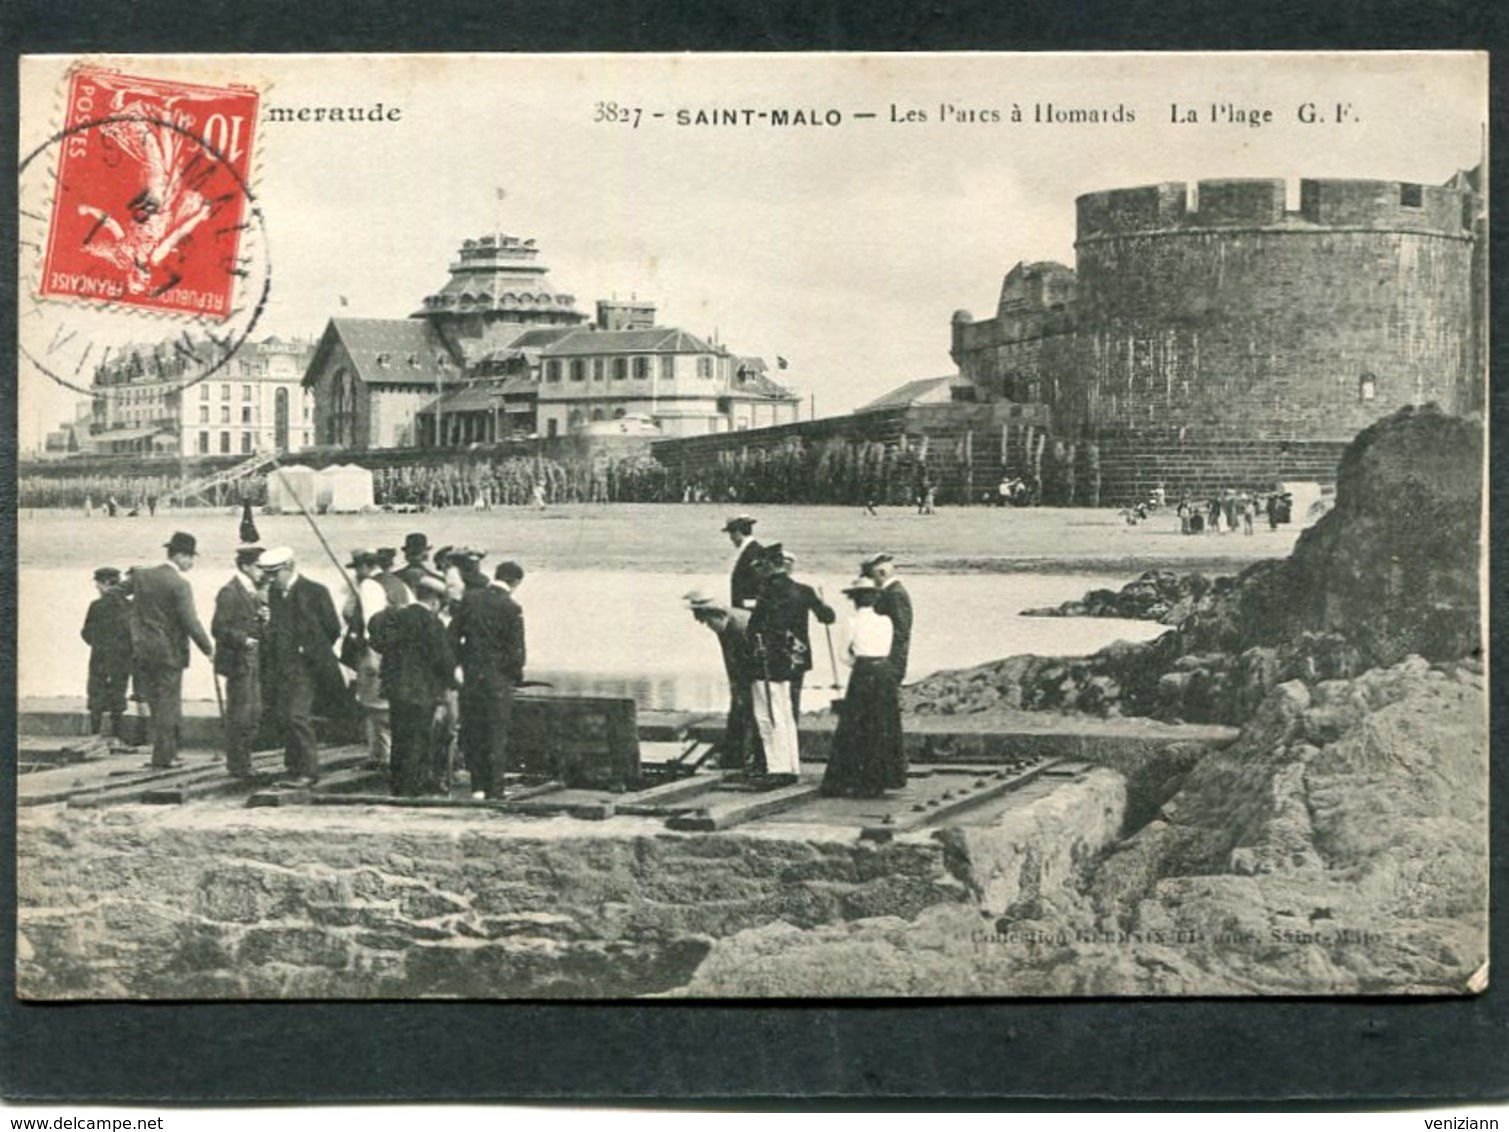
x,y
214,901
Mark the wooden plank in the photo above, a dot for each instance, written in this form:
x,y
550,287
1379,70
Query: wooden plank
x,y
126,785
659,800
743,808
434,801
280,796
209,788
422,802
964,799
176,785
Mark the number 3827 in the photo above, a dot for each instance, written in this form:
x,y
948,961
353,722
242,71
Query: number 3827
x,y
617,112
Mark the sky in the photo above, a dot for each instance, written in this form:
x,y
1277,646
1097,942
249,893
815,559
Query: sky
x,y
843,248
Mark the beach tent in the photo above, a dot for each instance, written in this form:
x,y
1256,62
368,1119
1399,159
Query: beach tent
x,y
345,488
289,485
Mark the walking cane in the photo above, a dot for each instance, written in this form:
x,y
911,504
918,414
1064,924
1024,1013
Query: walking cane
x,y
832,660
225,728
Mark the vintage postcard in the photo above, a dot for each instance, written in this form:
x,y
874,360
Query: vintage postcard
x,y
752,526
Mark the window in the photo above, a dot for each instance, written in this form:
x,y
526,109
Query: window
x,y
306,411
552,370
204,443
225,392
246,393
225,414
550,426
705,367
1410,196
579,369
668,368
204,414
1367,387
204,390
246,414
225,443
246,443
641,369
599,369
620,369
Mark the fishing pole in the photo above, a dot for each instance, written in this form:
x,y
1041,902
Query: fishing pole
x,y
303,510
832,659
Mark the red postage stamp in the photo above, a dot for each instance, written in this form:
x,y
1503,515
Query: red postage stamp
x,y
151,197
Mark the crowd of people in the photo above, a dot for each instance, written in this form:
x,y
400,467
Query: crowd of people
x,y
435,649
1229,511
764,631
428,654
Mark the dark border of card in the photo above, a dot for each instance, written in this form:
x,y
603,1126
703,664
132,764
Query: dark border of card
x,y
1107,1055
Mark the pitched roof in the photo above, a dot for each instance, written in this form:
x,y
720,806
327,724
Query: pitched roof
x,y
482,396
923,388
750,382
390,351
539,337
656,340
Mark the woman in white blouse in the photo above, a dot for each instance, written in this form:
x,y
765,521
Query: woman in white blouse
x,y
868,757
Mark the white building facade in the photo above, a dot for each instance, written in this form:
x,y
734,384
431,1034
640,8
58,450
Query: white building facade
x,y
253,403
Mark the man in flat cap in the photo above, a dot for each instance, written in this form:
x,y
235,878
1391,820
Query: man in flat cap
x,y
468,563
487,630
418,669
300,657
107,632
738,752
238,626
744,582
894,603
163,622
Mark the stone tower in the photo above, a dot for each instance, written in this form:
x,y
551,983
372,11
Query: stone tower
x,y
1223,312
497,289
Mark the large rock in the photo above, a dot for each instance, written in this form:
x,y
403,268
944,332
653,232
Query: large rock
x,y
1393,570
1339,847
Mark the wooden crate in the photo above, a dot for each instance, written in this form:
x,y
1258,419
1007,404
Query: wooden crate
x,y
587,742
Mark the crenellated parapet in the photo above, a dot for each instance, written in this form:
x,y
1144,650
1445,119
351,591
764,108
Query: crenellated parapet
x,y
1265,203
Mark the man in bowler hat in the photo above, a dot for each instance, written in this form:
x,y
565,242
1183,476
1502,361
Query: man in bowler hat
x,y
418,669
163,622
416,552
239,624
487,630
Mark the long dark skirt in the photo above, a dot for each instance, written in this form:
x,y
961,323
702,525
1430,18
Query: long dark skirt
x,y
867,757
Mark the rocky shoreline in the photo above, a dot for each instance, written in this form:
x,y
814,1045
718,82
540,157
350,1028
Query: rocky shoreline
x,y
1339,846
1164,596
